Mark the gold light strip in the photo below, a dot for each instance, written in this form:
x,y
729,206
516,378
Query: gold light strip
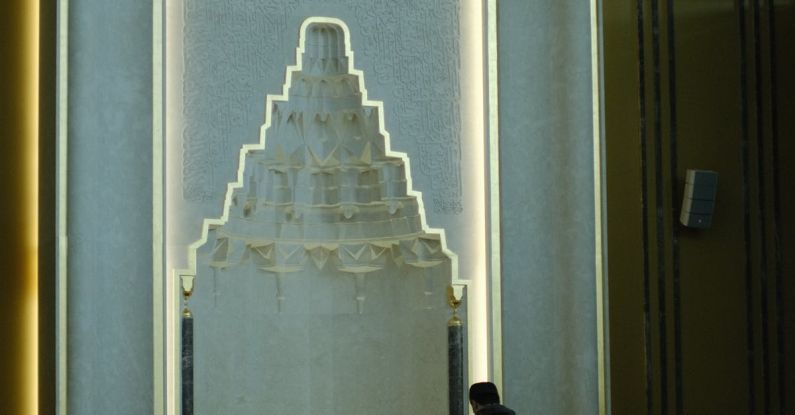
x,y
494,194
600,259
31,200
62,182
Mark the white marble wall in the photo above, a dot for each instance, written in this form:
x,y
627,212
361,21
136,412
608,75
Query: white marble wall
x,y
549,320
110,208
547,207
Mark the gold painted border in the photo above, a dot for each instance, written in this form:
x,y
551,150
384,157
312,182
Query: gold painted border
x,y
600,229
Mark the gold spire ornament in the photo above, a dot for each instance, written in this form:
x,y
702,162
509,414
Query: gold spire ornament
x,y
454,303
187,291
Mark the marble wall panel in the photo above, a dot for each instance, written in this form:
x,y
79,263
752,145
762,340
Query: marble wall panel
x,y
236,51
549,303
548,279
110,208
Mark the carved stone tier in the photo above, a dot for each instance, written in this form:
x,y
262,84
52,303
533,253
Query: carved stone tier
x,y
322,282
325,180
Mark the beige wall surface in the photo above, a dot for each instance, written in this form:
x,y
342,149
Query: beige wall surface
x,y
700,321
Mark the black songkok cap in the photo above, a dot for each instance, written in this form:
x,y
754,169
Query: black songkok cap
x,y
484,393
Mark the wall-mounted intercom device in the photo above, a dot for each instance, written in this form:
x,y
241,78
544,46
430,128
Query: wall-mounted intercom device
x,y
699,199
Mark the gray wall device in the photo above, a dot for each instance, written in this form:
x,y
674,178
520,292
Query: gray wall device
x,y
699,200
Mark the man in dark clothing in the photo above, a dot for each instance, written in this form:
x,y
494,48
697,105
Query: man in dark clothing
x,y
485,400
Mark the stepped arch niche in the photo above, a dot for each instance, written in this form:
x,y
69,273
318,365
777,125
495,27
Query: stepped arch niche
x,y
321,289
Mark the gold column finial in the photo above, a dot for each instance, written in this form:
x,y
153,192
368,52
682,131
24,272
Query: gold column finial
x,y
187,291
454,303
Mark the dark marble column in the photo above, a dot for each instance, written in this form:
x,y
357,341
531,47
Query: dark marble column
x,y
455,356
187,363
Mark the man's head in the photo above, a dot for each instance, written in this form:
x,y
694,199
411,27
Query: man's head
x,y
483,393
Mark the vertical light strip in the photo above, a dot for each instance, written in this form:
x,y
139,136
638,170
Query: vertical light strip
x,y
157,206
171,38
61,390
600,260
31,200
494,193
473,131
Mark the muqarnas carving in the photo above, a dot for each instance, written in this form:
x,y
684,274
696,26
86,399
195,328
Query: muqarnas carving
x,y
328,291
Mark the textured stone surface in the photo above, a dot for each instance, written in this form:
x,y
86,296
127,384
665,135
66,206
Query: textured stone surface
x,y
322,217
549,321
250,356
110,368
226,55
548,286
235,51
